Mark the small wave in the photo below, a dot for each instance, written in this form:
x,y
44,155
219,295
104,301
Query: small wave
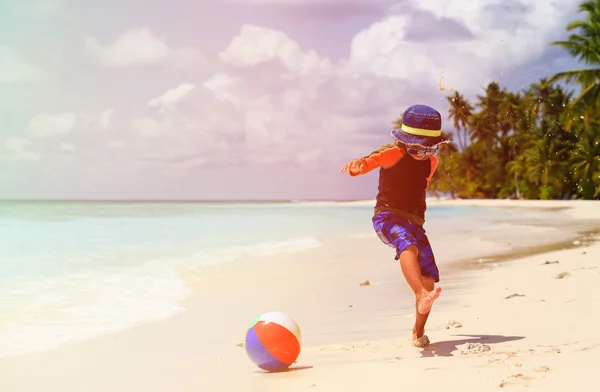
x,y
275,247
220,256
44,314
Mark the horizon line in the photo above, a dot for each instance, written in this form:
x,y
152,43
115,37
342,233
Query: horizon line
x,y
177,200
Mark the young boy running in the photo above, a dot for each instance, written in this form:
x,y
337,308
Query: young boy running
x,y
406,167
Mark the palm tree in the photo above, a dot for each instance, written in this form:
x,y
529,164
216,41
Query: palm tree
x,y
544,167
517,168
585,46
460,111
486,123
585,163
538,143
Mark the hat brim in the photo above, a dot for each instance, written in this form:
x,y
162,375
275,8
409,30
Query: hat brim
x,y
426,141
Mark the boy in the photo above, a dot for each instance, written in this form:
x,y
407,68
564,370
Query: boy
x,y
407,166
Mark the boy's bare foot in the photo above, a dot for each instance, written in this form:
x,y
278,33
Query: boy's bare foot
x,y
420,342
425,301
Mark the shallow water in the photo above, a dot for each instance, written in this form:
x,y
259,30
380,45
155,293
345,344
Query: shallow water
x,y
76,270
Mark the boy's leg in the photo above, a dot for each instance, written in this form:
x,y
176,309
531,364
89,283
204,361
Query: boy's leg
x,y
419,337
425,294
407,240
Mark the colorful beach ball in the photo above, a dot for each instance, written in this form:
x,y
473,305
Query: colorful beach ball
x,y
273,341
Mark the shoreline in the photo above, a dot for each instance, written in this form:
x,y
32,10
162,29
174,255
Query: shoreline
x,y
451,270
193,277
583,239
197,349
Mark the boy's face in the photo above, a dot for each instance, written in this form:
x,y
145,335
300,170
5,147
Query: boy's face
x,y
420,153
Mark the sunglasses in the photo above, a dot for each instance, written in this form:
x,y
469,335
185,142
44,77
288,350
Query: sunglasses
x,y
421,151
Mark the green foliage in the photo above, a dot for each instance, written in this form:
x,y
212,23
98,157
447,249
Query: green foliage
x,y
540,143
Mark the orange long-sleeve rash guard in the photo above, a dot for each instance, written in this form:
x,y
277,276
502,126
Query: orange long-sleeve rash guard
x,y
387,156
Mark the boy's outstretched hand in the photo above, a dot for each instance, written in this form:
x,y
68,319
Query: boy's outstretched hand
x,y
354,166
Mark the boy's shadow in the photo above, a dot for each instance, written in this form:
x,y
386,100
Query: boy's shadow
x,y
445,348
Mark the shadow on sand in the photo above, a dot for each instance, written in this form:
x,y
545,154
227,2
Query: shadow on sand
x,y
288,370
445,348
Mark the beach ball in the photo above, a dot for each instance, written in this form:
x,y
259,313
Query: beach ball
x,y
273,341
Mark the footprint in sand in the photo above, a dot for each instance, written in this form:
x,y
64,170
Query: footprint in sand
x,y
554,350
453,324
593,346
541,369
475,348
514,379
514,295
393,359
550,262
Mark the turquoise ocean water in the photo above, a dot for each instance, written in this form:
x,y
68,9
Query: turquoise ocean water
x,y
75,270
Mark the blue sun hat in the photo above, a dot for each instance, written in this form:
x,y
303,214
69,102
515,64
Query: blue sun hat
x,y
421,124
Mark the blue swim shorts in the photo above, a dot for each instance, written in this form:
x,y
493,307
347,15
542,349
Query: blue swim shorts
x,y
399,233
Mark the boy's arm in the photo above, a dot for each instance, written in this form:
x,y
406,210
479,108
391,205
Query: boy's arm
x,y
434,165
385,156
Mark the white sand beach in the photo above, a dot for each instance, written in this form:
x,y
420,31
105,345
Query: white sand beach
x,y
526,323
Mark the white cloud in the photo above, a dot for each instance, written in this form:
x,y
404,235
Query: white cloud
x,y
18,148
502,35
170,98
236,119
278,103
70,124
14,69
222,86
271,102
47,125
255,45
100,121
142,47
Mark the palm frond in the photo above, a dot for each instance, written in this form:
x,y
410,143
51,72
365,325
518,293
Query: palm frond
x,y
578,75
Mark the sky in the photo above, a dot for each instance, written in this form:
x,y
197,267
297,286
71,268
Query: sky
x,y
242,99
